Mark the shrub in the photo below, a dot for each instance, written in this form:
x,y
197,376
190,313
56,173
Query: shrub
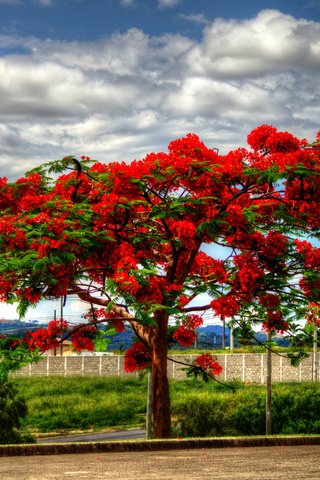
x,y
199,418
295,410
12,409
248,415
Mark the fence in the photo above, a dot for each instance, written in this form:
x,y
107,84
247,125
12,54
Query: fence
x,y
249,367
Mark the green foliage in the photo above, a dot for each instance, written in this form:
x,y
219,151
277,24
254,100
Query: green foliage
x,y
12,409
189,423
103,338
59,166
295,410
13,357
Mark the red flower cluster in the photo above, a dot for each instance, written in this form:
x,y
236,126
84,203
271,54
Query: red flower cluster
x,y
186,334
275,322
193,321
310,253
225,306
267,138
209,364
313,314
137,357
46,338
209,268
81,338
102,314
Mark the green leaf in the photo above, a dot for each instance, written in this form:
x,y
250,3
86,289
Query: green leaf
x,y
101,341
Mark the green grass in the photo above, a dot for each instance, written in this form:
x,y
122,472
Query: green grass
x,y
64,404
82,403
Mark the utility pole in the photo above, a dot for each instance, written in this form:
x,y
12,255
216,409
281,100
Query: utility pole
x,y
149,417
315,355
61,316
231,339
269,386
55,318
223,340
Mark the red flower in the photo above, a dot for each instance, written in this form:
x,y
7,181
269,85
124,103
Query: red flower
x,y
82,337
208,363
137,357
185,336
226,306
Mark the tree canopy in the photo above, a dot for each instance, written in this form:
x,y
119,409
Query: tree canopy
x,y
173,235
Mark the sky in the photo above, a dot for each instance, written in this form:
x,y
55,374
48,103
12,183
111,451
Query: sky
x,y
116,79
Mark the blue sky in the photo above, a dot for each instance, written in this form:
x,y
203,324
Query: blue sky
x,y
116,79
92,19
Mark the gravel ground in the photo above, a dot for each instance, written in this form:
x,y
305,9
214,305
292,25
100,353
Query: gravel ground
x,y
260,463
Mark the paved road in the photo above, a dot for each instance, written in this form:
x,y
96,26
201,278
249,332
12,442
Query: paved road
x,y
131,434
257,463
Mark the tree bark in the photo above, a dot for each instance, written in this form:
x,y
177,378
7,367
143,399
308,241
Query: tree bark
x,y
160,384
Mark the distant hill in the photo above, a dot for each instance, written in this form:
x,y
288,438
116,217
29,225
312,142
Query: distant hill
x,y
18,327
208,337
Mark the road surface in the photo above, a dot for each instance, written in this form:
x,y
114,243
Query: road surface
x,y
247,463
131,434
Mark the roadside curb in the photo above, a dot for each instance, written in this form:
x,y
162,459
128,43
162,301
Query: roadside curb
x,y
153,445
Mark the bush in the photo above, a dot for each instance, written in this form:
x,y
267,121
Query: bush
x,y
12,409
295,410
297,413
248,414
199,418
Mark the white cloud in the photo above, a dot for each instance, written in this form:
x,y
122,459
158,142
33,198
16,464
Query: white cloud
x,y
271,42
45,3
168,3
127,3
11,2
197,18
127,94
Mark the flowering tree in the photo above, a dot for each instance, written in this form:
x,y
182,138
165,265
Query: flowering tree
x,y
139,241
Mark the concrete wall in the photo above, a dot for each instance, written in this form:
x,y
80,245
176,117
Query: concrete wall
x,y
249,368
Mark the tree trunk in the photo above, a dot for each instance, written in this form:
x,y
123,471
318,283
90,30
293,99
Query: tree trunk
x,y
160,384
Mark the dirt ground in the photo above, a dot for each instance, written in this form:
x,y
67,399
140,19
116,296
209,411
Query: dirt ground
x,y
260,463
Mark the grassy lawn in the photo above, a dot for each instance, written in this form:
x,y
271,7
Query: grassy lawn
x,y
82,403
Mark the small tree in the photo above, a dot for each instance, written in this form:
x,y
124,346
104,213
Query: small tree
x,y
138,242
13,406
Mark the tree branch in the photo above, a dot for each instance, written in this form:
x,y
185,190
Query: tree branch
x,y
142,331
